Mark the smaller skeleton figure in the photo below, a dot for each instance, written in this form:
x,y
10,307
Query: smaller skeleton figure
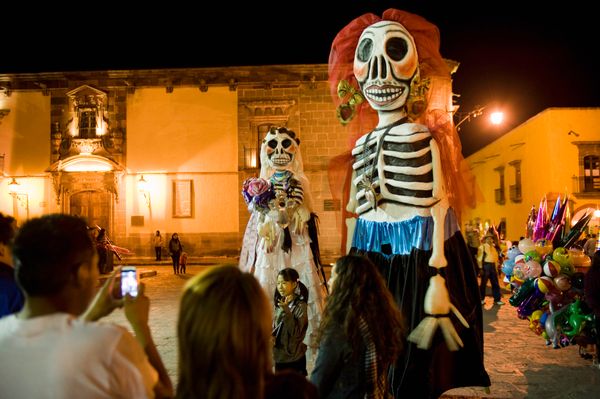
x,y
286,235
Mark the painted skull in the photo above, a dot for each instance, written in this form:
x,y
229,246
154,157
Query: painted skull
x,y
385,63
280,146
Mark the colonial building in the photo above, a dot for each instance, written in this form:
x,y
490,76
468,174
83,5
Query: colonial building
x,y
554,154
143,150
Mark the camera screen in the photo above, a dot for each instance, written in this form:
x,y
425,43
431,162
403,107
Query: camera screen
x,y
129,283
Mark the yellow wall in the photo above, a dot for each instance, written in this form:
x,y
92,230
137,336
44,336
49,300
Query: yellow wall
x,y
24,140
549,161
188,131
186,134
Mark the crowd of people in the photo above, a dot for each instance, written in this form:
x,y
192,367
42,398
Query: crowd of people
x,y
232,343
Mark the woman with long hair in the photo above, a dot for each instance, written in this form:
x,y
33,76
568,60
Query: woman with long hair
x,y
361,333
224,333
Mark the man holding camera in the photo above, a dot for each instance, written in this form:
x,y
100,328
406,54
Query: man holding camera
x,y
53,348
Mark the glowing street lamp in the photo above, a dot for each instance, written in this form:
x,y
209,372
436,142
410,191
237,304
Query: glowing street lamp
x,y
496,117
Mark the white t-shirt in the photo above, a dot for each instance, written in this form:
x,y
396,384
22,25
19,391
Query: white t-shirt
x,y
59,356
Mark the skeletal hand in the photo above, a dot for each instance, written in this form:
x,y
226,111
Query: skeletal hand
x,y
437,306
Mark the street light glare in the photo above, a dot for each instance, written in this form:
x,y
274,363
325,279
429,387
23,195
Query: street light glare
x,y
496,117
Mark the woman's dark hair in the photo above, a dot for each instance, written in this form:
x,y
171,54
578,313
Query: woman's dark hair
x,y
359,291
290,274
48,250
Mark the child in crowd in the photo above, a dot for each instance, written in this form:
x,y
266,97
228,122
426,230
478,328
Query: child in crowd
x,y
290,322
183,260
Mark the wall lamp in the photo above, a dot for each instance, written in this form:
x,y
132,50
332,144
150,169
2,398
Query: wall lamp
x,y
143,188
19,198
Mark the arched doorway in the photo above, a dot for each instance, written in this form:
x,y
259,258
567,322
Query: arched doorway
x,y
93,205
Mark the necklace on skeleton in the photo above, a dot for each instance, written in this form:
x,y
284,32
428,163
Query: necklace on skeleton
x,y
366,183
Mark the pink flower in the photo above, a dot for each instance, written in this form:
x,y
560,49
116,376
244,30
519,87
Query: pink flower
x,y
255,186
258,192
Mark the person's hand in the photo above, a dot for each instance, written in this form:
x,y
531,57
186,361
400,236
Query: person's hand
x,y
104,302
283,303
137,308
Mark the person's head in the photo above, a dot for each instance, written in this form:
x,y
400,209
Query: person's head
x,y
357,290
101,234
175,236
54,257
288,283
8,227
224,335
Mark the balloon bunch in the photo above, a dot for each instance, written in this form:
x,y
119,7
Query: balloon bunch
x,y
546,279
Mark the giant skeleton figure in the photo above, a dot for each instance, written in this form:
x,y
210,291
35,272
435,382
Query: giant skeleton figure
x,y
404,220
287,235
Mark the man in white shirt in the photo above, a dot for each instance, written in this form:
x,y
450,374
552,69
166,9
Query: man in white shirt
x,y
53,348
487,259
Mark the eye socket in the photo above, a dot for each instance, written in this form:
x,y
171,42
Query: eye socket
x,y
272,143
364,50
396,48
286,143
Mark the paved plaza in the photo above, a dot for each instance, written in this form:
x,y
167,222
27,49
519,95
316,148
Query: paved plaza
x,y
519,363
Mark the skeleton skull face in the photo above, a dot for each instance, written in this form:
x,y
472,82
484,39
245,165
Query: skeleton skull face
x,y
280,146
385,63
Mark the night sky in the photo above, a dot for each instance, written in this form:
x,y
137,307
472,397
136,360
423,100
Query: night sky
x,y
523,56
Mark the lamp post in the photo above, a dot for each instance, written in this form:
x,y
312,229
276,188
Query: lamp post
x,y
496,117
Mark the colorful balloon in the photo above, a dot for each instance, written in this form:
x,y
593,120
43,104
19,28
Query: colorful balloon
x,y
551,268
533,255
513,252
545,284
532,269
562,282
519,271
561,255
543,246
526,245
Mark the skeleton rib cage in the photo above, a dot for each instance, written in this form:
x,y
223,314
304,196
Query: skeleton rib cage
x,y
292,188
406,163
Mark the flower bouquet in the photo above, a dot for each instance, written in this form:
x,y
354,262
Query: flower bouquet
x,y
258,193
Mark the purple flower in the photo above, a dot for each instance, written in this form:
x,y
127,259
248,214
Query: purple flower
x,y
258,192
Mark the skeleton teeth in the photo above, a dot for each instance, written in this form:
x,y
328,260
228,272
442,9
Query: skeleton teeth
x,y
386,94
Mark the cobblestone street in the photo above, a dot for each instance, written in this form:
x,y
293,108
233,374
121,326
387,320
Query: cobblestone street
x,y
518,361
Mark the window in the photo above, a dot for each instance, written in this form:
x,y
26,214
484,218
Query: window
x,y
499,192
591,173
587,182
87,123
515,190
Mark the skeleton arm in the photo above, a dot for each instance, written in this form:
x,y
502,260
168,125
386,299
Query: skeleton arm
x,y
437,303
351,207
